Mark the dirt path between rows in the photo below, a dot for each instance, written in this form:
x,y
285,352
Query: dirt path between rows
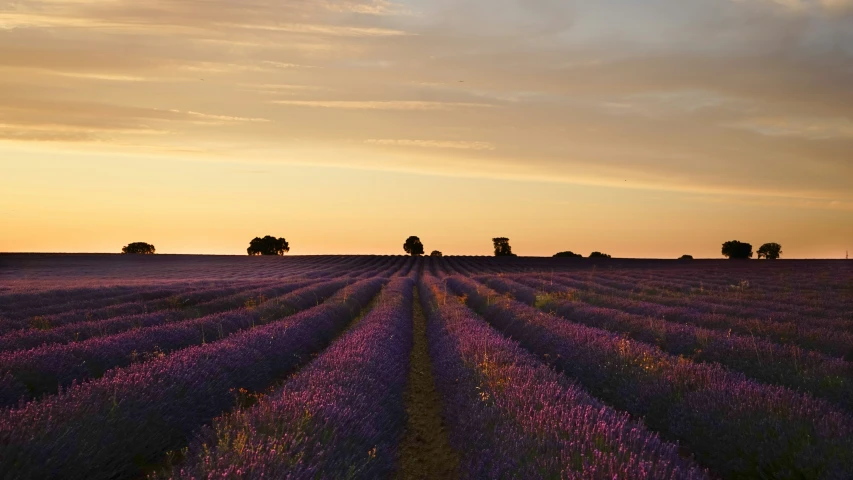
x,y
425,452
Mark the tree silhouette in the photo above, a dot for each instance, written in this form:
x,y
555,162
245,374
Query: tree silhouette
x,y
502,248
598,255
686,257
138,248
770,251
413,246
268,245
736,250
436,253
568,254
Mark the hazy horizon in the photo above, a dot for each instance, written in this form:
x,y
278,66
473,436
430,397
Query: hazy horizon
x,y
645,130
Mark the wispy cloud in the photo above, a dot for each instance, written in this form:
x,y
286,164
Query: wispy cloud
x,y
285,65
105,76
57,132
381,105
373,7
458,145
831,6
226,118
677,96
333,30
810,128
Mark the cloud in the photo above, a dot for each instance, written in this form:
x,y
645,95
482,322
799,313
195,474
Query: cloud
x,y
104,76
675,96
285,64
374,7
225,118
56,132
806,6
381,105
810,128
457,145
333,30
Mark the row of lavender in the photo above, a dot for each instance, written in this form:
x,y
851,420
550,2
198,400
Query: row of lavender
x,y
805,284
508,413
79,322
114,426
816,292
830,336
513,417
738,427
797,284
45,369
118,342
760,359
744,298
182,306
99,301
46,279
340,417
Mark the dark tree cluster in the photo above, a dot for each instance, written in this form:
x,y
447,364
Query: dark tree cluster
x,y
502,248
138,248
736,250
436,253
686,257
568,254
770,251
268,245
598,255
413,246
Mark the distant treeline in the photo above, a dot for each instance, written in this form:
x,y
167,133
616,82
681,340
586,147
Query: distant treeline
x,y
270,245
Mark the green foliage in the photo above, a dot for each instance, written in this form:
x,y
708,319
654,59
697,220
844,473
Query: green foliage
x,y
268,245
138,248
770,251
502,248
413,246
736,250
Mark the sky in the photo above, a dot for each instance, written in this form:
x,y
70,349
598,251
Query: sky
x,y
641,129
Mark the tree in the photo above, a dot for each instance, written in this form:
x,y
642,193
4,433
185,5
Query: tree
x,y
436,253
568,254
686,257
598,255
736,250
770,251
138,248
502,248
268,245
413,246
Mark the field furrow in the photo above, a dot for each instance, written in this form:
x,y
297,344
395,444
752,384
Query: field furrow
x,y
94,430
513,417
122,367
736,426
184,307
340,417
757,358
43,370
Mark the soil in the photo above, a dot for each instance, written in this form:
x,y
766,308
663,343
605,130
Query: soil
x,y
425,452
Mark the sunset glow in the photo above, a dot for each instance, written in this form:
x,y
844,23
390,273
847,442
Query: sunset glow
x,y
640,129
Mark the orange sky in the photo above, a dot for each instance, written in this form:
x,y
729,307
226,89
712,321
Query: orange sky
x,y
641,130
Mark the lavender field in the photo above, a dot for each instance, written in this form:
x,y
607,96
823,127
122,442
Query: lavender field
x,y
115,367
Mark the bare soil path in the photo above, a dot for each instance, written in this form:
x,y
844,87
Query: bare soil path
x,y
425,452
